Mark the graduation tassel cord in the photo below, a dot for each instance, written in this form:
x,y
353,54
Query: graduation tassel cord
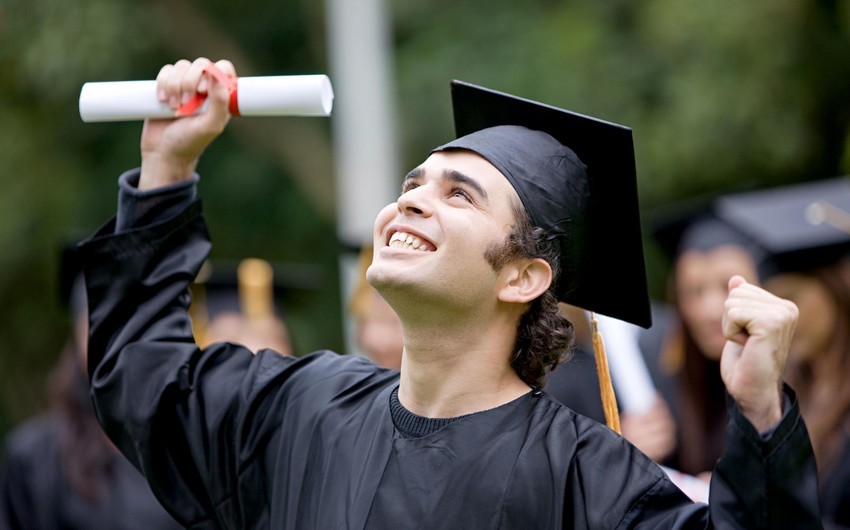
x,y
606,388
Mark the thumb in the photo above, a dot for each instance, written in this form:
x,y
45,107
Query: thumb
x,y
733,330
736,281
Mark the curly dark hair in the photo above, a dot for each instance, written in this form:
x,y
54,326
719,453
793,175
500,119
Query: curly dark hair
x,y
544,338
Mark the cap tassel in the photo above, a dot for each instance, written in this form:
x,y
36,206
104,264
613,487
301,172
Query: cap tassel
x,y
198,312
256,288
606,387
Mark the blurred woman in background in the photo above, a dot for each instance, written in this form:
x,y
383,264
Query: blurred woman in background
x,y
707,253
59,469
818,369
805,229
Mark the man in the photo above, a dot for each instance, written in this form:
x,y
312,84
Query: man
x,y
462,438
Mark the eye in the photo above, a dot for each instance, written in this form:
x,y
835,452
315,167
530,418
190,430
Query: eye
x,y
460,192
408,185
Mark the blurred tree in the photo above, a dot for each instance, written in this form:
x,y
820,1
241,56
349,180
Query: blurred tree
x,y
268,178
719,94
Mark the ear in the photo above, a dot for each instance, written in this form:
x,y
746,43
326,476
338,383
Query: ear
x,y
525,280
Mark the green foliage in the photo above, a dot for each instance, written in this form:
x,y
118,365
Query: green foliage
x,y
720,95
59,175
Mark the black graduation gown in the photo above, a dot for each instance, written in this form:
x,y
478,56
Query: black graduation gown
x,y
233,440
35,493
576,385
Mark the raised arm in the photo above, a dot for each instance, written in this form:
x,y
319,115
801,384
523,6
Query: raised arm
x,y
171,148
152,387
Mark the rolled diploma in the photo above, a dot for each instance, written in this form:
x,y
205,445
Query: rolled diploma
x,y
629,373
285,95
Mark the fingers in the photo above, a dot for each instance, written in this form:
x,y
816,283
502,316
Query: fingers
x,y
226,66
170,83
750,309
194,80
177,83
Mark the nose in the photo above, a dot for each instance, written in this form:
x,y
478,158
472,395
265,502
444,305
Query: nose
x,y
712,302
416,201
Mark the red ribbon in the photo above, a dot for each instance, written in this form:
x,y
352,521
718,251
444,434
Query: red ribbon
x,y
229,82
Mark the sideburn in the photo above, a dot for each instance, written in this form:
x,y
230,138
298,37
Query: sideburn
x,y
498,255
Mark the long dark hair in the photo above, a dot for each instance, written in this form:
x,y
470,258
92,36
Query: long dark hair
x,y
824,393
86,456
544,338
700,407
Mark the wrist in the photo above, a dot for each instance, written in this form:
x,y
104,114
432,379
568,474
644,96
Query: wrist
x,y
158,171
764,414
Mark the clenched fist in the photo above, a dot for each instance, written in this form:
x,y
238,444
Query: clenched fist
x,y
758,327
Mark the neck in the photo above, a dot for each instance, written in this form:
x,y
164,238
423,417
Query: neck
x,y
459,365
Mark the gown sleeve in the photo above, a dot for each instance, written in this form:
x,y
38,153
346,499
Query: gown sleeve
x,y
199,424
762,481
217,431
149,381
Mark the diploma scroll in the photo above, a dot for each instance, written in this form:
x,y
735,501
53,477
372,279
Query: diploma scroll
x,y
631,377
287,95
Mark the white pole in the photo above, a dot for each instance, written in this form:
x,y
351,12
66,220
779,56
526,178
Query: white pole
x,y
364,130
365,146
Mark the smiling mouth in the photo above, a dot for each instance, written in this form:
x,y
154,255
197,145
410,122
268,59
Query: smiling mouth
x,y
407,241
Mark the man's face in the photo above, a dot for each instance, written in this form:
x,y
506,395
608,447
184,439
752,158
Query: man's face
x,y
430,244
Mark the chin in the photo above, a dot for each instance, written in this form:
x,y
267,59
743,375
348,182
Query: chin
x,y
385,280
377,275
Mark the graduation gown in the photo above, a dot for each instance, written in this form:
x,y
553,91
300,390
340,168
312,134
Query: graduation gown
x,y
575,383
228,439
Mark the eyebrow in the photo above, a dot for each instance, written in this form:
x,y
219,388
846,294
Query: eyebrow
x,y
414,174
456,176
452,175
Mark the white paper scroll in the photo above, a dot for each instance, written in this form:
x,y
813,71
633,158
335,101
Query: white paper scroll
x,y
694,487
287,95
631,378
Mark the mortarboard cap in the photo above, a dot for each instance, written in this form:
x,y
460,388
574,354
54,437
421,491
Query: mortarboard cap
x,y
800,226
693,225
575,176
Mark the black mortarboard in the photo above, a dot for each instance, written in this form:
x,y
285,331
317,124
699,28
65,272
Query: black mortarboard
x,y
575,176
800,226
693,225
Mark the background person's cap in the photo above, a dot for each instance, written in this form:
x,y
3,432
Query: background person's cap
x,y
800,226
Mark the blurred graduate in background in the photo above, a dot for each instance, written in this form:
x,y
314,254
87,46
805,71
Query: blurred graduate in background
x,y
806,231
60,471
706,252
377,328
240,303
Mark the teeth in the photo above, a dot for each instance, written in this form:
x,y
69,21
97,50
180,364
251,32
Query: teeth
x,y
407,241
